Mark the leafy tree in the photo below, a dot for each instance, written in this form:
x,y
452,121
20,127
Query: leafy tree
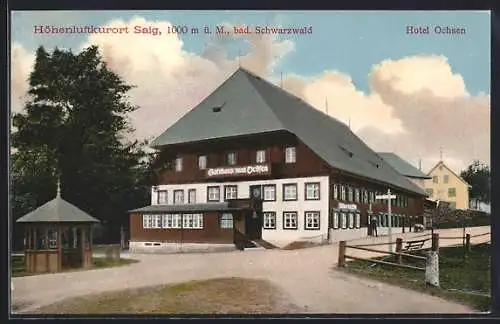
x,y
74,128
479,177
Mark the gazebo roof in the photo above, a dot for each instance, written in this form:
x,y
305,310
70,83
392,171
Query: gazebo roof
x,y
57,210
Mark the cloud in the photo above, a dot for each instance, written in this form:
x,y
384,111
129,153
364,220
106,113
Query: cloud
x,y
415,104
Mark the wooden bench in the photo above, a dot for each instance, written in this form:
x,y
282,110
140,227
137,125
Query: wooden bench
x,y
413,245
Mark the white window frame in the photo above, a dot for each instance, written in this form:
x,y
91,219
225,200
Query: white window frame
x,y
357,195
343,220
285,191
365,196
213,194
175,199
342,192
290,154
226,221
178,164
231,158
192,221
350,222
336,220
312,220
358,220
159,197
350,193
269,192
290,220
335,191
260,156
230,192
313,191
176,221
269,220
202,162
147,221
191,199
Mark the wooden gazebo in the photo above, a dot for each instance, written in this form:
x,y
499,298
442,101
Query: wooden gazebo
x,y
58,236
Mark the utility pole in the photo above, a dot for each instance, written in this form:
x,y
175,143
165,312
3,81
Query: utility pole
x,y
326,105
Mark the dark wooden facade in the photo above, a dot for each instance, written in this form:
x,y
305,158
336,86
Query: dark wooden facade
x,y
308,164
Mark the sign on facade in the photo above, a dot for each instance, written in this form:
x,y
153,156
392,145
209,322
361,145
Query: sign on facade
x,y
248,170
380,197
347,206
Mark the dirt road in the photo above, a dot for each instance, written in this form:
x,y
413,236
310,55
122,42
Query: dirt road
x,y
307,276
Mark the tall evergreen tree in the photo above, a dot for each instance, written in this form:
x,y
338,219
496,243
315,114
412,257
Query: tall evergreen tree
x,y
77,119
478,175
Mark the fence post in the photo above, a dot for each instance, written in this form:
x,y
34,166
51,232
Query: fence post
x,y
432,263
467,243
342,247
399,247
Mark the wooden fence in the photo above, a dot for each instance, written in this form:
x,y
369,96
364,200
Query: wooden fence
x,y
400,253
343,256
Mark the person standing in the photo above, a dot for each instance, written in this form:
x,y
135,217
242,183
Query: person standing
x,y
373,224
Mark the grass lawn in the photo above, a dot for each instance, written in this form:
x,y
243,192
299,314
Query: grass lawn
x,y
472,274
19,269
216,296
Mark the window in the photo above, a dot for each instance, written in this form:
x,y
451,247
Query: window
x,y
213,193
335,191
226,220
311,220
178,164
162,197
52,235
260,156
429,191
151,221
230,192
405,204
358,220
192,196
351,220
312,191
435,179
350,194
290,191
231,158
386,220
356,195
192,221
335,219
452,192
290,220
371,197
446,178
269,192
365,196
269,220
342,192
202,162
171,221
343,219
178,197
290,155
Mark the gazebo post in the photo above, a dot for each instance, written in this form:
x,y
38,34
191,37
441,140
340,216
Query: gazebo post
x,y
59,249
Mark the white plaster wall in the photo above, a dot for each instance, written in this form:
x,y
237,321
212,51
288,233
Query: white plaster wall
x,y
357,233
161,247
278,236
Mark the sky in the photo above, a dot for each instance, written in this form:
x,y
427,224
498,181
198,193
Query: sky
x,y
421,96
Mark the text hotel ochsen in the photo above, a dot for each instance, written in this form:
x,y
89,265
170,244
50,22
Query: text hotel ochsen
x,y
438,30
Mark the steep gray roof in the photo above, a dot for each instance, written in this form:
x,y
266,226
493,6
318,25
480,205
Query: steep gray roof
x,y
183,208
402,166
57,210
251,105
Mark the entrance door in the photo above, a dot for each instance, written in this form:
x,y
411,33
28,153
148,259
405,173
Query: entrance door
x,y
253,225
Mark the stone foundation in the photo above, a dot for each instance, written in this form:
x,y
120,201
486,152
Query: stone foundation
x,y
162,247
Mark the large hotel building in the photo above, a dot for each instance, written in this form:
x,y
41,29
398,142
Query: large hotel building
x,y
255,165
